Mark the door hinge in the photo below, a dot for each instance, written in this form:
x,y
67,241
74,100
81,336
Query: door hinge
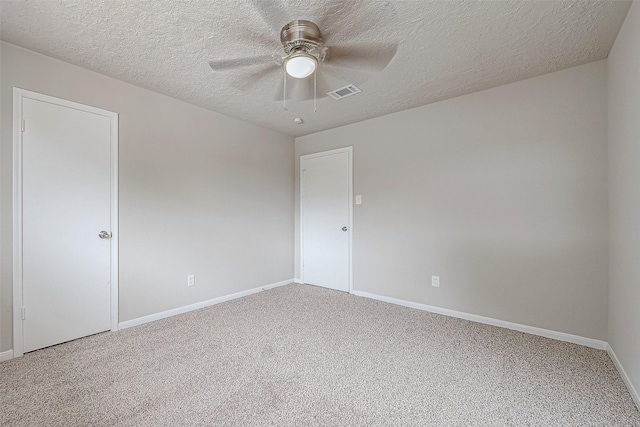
x,y
24,313
22,125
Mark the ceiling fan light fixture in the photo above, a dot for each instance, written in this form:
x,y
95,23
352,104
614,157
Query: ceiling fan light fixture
x,y
300,65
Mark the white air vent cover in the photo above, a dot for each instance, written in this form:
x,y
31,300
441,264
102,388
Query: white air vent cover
x,y
343,92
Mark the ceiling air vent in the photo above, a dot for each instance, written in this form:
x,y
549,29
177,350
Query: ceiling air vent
x,y
343,92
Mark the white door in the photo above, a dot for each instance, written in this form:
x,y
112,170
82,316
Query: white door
x,y
326,218
66,222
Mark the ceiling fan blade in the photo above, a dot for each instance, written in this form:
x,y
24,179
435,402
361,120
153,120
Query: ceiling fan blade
x,y
342,76
346,20
297,89
273,13
249,81
302,89
328,82
280,93
230,64
369,57
251,37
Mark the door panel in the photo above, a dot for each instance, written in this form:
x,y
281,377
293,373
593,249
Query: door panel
x,y
65,204
325,216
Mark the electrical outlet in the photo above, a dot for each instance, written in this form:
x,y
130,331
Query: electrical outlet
x,y
191,280
435,281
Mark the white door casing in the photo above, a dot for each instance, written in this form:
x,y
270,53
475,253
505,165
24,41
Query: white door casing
x,y
326,183
65,194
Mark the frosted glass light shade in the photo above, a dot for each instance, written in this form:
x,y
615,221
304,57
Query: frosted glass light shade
x,y
300,65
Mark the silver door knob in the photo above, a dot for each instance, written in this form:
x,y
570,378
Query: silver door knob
x,y
104,235
344,228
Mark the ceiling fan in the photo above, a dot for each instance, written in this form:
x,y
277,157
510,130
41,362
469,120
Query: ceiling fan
x,y
315,63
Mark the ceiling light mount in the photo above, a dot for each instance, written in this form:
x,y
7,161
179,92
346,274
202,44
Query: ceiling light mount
x,y
300,35
301,41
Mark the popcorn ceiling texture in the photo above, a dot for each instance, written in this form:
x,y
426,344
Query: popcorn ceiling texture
x,y
446,49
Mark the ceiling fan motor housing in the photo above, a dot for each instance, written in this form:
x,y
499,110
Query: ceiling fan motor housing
x,y
300,36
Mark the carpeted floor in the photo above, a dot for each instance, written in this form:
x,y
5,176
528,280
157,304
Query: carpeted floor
x,y
303,356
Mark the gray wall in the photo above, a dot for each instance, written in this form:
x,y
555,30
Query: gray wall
x,y
200,192
502,193
624,196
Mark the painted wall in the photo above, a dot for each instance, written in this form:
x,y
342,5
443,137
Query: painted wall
x,y
624,196
501,193
200,193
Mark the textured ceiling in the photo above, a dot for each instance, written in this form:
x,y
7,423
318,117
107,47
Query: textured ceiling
x,y
446,48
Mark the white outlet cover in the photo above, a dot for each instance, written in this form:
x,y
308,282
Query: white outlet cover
x,y
191,280
435,281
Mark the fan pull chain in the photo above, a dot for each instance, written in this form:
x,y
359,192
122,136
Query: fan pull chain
x,y
315,91
284,95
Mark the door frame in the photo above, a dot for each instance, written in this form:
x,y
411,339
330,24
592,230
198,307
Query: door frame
x,y
348,150
18,96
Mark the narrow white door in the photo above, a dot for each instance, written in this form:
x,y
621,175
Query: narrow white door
x,y
66,204
326,218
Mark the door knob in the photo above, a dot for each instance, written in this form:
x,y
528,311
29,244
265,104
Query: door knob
x,y
104,235
344,228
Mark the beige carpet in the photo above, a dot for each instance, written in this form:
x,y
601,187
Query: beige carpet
x,y
302,356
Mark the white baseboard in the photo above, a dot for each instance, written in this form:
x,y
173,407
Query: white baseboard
x,y
6,355
625,377
561,336
198,305
298,281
